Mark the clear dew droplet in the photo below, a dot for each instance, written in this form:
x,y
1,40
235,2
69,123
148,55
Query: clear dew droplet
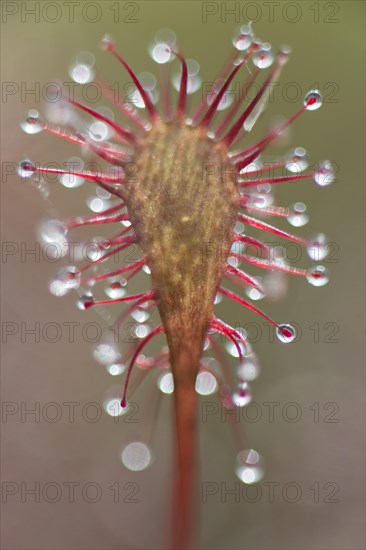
x,y
313,100
85,301
254,293
286,333
232,349
147,81
99,131
107,42
277,254
136,99
58,111
285,49
140,316
161,53
85,57
116,369
242,38
141,331
193,83
258,201
81,73
53,231
318,275
97,205
206,344
266,199
116,288
296,160
81,70
239,228
165,35
225,102
249,468
106,353
237,247
276,284
297,215
95,249
242,396
26,169
32,123
248,369
206,383
265,188
136,456
58,287
264,58
318,248
71,276
218,299
166,383
233,262
113,407
325,173
73,165
103,193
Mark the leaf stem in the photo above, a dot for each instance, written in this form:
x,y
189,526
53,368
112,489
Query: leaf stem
x,y
185,402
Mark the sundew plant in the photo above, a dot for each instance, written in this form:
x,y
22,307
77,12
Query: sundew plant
x,y
194,193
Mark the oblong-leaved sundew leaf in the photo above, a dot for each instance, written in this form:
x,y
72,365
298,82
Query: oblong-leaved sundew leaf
x,y
180,191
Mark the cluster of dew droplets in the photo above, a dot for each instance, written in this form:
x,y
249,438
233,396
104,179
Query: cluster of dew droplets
x,y
194,81
206,380
324,175
162,51
106,352
249,466
295,162
82,72
243,39
81,69
32,123
27,169
53,234
147,80
136,455
247,371
318,249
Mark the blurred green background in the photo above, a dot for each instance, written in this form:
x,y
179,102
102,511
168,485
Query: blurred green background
x,y
327,39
